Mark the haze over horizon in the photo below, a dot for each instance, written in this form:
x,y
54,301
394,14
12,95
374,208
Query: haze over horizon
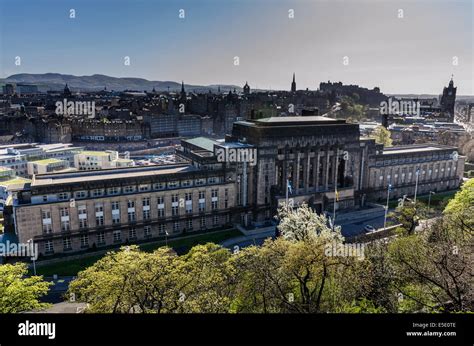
x,y
409,55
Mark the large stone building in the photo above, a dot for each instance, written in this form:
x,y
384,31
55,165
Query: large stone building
x,y
239,180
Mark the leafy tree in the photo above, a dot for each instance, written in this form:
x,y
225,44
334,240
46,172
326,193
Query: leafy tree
x,y
131,281
303,223
433,268
381,136
408,215
19,293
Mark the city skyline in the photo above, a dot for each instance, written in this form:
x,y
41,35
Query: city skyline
x,y
413,54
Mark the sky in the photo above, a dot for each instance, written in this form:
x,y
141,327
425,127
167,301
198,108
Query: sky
x,y
417,53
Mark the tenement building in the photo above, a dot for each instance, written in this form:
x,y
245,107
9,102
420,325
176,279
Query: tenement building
x,y
239,180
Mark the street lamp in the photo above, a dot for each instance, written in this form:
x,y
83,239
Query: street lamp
x,y
429,200
166,238
30,241
416,183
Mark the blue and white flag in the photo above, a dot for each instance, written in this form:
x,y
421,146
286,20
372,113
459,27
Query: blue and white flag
x,y
389,187
290,190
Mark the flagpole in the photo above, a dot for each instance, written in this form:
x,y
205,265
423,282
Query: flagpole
x,y
335,192
416,183
287,185
386,207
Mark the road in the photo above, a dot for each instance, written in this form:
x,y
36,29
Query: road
x,y
355,228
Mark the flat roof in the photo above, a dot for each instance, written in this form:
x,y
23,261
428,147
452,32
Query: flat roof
x,y
202,142
47,161
109,174
416,149
296,119
94,153
15,181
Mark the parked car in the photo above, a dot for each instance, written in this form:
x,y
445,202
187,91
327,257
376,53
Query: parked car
x,y
369,228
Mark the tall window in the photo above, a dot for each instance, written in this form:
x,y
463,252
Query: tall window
x,y
67,243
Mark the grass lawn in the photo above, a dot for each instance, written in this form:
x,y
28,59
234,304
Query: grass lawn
x,y
437,200
72,267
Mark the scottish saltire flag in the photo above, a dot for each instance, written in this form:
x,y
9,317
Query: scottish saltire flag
x,y
290,190
389,187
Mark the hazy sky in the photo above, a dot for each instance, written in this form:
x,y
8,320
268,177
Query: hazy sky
x,y
413,54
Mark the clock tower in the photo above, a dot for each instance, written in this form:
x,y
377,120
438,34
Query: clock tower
x,y
448,100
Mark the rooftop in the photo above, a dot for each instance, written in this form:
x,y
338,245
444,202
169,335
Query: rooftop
x,y
94,153
416,149
110,174
47,161
15,182
202,142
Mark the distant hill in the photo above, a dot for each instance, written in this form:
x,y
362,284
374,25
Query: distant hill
x,y
56,81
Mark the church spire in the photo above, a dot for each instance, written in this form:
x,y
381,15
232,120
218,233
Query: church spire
x,y
293,84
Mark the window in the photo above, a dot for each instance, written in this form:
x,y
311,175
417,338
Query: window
x,y
67,243
215,220
174,198
97,192
48,246
186,183
115,219
188,196
212,180
65,226
160,200
113,191
202,194
158,186
175,226
47,228
146,214
161,228
202,222
189,224
200,182
131,216
129,189
214,193
147,231
63,196
101,238
84,240
175,210
64,212
214,205
117,236
99,207
46,214
131,204
144,188
202,207
146,202
81,194
173,184
115,205
132,233
99,220
161,212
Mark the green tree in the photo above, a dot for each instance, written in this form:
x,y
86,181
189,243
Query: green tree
x,y
381,136
19,293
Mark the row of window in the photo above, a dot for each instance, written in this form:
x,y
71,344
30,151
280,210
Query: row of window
x,y
176,204
132,234
408,159
408,176
113,191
